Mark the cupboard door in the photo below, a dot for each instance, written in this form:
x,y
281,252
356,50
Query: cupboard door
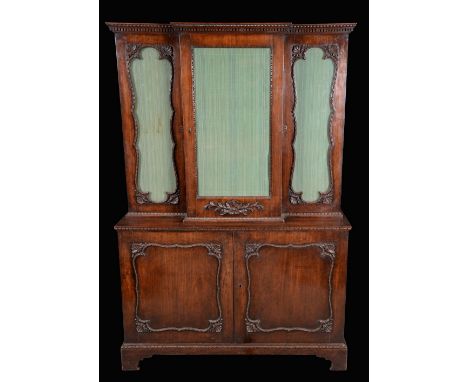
x,y
233,119
150,98
177,287
314,111
290,286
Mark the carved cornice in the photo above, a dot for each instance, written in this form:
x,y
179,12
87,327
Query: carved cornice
x,y
285,28
233,207
327,250
330,51
133,51
144,326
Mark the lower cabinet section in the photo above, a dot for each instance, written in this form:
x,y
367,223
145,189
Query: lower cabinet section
x,y
252,292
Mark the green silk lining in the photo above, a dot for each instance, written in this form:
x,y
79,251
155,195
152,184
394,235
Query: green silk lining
x,y
151,79
232,112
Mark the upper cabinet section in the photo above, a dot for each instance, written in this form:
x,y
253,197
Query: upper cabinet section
x,y
233,120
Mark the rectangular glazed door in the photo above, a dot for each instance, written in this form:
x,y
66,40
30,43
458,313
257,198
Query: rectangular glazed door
x,y
177,287
288,287
232,103
149,81
315,82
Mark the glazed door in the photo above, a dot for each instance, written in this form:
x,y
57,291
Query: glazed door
x,y
288,287
149,82
177,287
315,83
232,108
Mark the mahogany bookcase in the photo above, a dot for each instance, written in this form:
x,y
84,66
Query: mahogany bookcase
x,y
234,242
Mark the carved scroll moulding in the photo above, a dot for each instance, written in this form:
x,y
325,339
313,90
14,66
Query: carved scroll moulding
x,y
144,326
298,52
165,52
327,250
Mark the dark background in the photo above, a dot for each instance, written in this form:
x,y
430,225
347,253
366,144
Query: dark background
x,y
355,198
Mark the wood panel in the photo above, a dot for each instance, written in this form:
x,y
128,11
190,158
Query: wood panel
x,y
289,286
176,286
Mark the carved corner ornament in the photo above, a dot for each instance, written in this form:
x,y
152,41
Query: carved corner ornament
x,y
295,197
173,197
144,326
166,52
330,51
233,207
327,250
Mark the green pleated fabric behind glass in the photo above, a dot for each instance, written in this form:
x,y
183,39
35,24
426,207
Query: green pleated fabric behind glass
x,y
312,80
232,116
151,79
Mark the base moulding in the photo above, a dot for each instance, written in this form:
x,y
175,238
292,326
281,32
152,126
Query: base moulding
x,y
133,353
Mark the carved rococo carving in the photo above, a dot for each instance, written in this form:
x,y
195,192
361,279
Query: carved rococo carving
x,y
327,250
133,51
330,51
233,207
144,326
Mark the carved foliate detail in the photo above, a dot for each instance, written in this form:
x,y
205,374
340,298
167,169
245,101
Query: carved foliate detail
x,y
295,197
298,52
215,326
326,325
251,249
331,52
173,198
144,326
327,250
165,52
233,207
252,326
142,197
133,51
325,197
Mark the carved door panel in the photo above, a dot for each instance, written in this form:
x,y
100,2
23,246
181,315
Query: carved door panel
x,y
177,287
288,287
